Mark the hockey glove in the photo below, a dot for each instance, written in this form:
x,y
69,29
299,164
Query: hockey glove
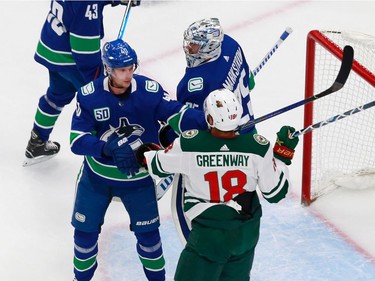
x,y
119,149
167,135
285,145
140,153
133,2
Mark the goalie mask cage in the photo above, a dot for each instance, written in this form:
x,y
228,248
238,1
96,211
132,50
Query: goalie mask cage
x,y
337,153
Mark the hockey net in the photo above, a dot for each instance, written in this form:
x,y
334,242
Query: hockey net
x,y
341,154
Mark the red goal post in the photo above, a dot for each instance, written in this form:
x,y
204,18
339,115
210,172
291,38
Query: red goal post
x,y
341,154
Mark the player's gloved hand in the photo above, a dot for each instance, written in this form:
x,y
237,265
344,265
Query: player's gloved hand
x,y
167,135
123,155
285,145
133,2
140,153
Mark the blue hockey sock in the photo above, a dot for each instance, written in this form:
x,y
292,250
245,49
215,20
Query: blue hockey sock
x,y
85,252
150,253
45,118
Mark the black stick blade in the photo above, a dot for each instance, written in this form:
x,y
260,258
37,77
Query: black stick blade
x,y
346,66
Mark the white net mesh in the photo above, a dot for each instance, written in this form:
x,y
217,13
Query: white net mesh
x,y
342,150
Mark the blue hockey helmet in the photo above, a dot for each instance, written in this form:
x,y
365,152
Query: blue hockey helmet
x,y
117,54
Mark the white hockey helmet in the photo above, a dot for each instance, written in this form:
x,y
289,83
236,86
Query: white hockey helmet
x,y
208,34
224,108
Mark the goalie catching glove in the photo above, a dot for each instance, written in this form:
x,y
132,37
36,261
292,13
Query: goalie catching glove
x,y
140,154
118,148
285,145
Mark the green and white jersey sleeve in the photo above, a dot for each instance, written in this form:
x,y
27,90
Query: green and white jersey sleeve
x,y
216,170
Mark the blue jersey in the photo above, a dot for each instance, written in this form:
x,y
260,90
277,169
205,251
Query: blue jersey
x,y
230,70
70,37
99,113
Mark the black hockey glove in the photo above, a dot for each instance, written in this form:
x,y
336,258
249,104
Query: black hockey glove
x,y
140,153
119,149
285,145
167,135
133,2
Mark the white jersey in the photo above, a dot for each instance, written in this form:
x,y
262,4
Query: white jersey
x,y
216,170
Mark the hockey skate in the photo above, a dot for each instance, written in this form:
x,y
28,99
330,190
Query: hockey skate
x,y
38,151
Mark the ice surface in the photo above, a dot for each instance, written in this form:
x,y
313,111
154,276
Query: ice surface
x,y
331,240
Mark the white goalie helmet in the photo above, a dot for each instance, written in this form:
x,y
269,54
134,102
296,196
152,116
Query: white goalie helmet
x,y
208,34
224,108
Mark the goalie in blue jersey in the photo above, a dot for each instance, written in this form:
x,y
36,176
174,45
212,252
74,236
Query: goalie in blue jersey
x,y
69,47
214,61
115,115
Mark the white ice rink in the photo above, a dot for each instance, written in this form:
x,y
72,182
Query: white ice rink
x,y
332,240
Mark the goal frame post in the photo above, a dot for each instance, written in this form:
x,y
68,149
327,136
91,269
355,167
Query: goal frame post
x,y
317,37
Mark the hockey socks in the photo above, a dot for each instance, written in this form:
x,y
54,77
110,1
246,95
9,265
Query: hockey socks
x,y
150,253
85,253
46,117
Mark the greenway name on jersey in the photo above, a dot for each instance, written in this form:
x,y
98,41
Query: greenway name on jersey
x,y
219,169
222,160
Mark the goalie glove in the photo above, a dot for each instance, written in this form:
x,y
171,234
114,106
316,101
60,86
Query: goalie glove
x,y
140,154
118,148
285,145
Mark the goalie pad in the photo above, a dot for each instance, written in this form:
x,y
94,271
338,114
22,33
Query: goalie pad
x,y
181,222
162,186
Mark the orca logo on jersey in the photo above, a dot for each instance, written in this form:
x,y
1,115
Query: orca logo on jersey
x,y
125,129
195,84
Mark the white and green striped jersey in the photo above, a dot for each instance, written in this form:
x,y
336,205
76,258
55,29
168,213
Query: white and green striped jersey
x,y
216,170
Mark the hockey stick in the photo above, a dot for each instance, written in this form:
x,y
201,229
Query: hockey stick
x,y
341,78
124,21
283,36
333,119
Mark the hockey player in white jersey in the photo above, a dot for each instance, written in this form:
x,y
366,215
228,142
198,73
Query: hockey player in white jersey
x,y
221,170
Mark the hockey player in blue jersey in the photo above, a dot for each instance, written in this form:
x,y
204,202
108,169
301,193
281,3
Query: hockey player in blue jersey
x,y
214,61
69,47
114,116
